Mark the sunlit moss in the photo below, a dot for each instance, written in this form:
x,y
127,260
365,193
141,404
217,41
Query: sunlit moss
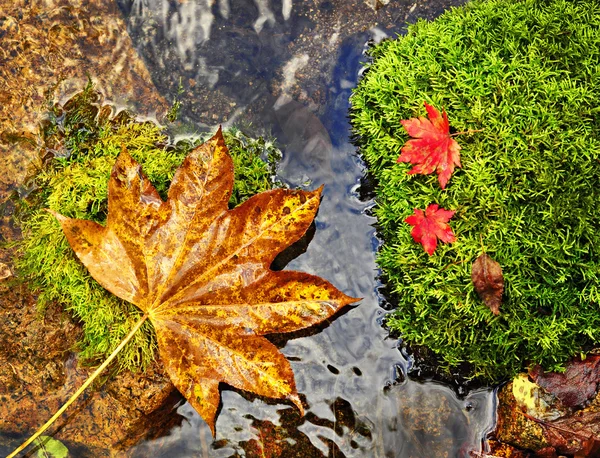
x,y
82,142
528,74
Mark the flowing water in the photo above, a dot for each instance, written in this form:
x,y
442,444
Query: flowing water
x,y
286,68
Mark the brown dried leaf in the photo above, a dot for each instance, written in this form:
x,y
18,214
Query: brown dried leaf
x,y
574,387
487,278
577,434
201,273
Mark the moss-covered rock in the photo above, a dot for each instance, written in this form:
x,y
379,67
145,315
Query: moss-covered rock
x,y
82,140
528,74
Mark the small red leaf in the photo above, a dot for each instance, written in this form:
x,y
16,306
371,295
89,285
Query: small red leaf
x,y
432,148
487,278
431,226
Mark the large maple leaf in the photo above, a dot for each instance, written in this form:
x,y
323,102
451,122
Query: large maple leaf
x,y
201,273
432,148
431,226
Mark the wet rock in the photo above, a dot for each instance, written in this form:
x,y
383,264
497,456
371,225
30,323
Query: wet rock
x,y
496,449
426,415
48,51
40,372
532,418
376,4
513,427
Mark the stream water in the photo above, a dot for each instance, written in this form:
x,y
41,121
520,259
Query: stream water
x,y
260,64
286,68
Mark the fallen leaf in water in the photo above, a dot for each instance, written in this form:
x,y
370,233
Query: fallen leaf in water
x,y
431,226
201,273
576,385
487,278
432,148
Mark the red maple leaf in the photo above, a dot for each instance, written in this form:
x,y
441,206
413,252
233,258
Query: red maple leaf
x,y
432,148
431,226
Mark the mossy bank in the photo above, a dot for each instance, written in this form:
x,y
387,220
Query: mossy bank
x,y
527,73
82,139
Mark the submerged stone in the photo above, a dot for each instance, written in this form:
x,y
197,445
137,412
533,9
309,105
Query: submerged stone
x,y
41,371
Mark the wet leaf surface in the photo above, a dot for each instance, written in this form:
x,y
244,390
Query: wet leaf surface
x,y
535,401
488,280
201,272
577,434
574,387
432,148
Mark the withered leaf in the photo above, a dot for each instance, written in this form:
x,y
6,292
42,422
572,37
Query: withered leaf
x,y
574,387
488,280
577,434
201,273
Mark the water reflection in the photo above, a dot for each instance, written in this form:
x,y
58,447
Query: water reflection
x,y
249,62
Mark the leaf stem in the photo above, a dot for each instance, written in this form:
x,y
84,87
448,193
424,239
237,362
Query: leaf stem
x,y
90,379
470,131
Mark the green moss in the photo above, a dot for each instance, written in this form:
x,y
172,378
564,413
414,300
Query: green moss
x,y
82,143
527,73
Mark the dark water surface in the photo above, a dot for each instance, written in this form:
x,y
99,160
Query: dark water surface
x,y
286,68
